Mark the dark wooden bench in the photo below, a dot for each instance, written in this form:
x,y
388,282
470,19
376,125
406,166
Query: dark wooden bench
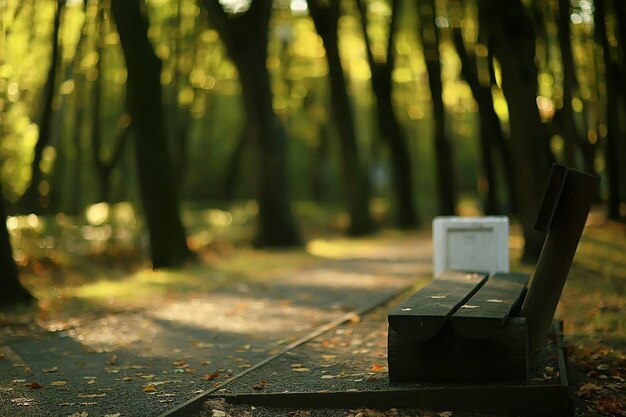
x,y
468,327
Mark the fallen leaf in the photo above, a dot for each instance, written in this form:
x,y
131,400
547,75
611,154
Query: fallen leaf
x,y
149,388
33,385
301,369
112,415
445,414
210,377
23,401
49,370
587,389
377,368
27,370
58,383
608,405
260,386
91,381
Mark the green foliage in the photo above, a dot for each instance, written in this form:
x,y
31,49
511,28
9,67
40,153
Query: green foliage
x,y
203,106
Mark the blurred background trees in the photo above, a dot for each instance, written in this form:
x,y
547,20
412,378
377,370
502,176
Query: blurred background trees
x,y
381,112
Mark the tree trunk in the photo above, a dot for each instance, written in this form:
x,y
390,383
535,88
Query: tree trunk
x,y
245,36
388,125
144,101
620,13
611,148
31,199
568,125
489,124
233,167
514,45
12,290
355,179
443,150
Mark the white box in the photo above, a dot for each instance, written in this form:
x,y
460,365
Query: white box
x,y
478,244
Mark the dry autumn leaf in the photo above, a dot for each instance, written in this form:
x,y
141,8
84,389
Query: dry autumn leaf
x,y
608,405
210,377
102,394
377,368
149,388
588,388
50,370
58,383
33,385
260,386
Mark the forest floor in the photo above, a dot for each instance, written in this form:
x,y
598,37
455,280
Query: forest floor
x,y
109,337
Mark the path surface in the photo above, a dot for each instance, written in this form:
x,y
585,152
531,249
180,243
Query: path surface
x,y
141,361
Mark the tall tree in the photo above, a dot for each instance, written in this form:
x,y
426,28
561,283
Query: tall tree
x,y
388,125
30,200
245,35
104,166
512,31
492,143
447,194
11,290
566,113
611,147
144,102
325,15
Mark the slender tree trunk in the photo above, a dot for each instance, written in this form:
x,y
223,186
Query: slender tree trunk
x,y
31,199
514,46
144,101
104,167
568,125
245,36
443,150
96,94
233,167
355,179
11,291
611,148
319,171
489,124
620,13
388,125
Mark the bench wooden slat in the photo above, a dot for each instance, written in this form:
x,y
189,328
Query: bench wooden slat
x,y
487,311
426,312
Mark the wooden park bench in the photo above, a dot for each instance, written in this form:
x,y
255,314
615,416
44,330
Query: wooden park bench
x,y
471,327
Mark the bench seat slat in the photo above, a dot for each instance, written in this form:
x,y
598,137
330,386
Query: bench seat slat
x,y
425,313
487,311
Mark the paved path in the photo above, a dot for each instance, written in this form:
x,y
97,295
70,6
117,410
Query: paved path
x,y
143,361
